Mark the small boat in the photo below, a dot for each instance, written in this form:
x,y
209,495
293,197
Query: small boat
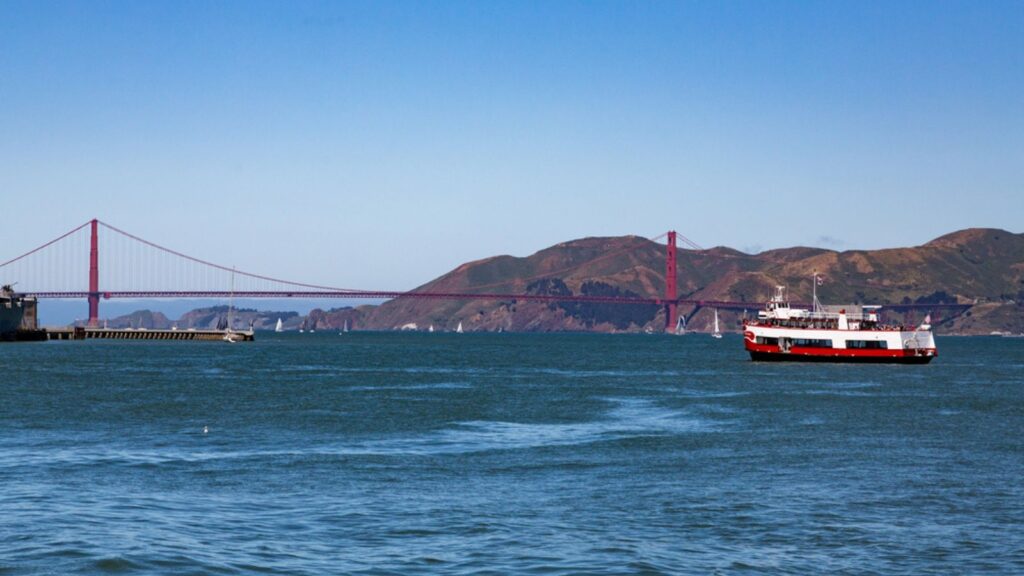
x,y
459,329
717,333
431,328
279,327
681,325
230,335
344,328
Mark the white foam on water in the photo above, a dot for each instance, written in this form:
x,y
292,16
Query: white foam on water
x,y
433,386
627,418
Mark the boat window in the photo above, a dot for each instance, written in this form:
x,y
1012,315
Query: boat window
x,y
812,343
867,344
769,341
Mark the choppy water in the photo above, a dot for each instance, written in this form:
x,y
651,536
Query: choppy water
x,y
506,454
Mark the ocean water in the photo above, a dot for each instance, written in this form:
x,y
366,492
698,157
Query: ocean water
x,y
467,454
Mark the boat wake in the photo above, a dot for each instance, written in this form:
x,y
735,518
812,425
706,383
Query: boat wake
x,y
628,418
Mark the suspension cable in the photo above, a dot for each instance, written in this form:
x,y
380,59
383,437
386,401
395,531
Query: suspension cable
x,y
50,243
225,268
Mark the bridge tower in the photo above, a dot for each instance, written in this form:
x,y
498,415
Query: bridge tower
x,y
94,275
671,313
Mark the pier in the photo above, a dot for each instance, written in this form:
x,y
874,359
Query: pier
x,y
85,333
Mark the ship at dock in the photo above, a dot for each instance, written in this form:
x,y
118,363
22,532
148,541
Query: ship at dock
x,y
782,332
17,313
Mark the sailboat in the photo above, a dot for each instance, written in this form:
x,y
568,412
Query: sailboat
x,y
229,332
431,328
279,327
302,327
717,333
681,325
344,327
459,329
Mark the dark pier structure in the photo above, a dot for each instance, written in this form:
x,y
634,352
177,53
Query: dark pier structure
x,y
86,333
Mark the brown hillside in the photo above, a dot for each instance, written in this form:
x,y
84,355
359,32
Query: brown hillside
x,y
970,265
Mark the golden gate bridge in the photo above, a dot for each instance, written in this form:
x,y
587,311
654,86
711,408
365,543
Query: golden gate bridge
x,y
139,268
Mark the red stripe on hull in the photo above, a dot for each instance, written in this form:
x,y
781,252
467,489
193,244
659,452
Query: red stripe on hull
x,y
766,352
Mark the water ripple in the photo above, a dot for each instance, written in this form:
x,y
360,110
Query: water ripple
x,y
561,454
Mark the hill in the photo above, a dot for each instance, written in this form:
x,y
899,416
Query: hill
x,y
973,265
204,318
979,266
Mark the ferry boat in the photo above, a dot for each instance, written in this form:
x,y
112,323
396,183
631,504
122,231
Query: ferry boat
x,y
782,332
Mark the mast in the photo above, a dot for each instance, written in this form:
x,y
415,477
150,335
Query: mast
x,y
231,301
814,292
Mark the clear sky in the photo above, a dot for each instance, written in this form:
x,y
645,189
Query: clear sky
x,y
379,144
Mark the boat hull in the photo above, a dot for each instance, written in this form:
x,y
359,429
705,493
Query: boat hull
x,y
849,359
11,314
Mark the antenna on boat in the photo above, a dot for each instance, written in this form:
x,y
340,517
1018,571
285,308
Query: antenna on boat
x,y
817,281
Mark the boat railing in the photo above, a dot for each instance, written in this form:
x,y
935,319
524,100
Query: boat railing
x,y
835,316
806,322
828,316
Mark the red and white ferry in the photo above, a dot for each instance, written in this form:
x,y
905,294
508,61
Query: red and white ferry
x,y
782,332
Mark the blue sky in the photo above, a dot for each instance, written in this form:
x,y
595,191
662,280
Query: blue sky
x,y
379,144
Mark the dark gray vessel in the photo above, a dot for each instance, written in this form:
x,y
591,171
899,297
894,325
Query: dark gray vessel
x,y
12,310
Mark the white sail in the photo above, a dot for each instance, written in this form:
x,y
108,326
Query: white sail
x,y
279,327
431,329
459,329
344,328
681,325
717,333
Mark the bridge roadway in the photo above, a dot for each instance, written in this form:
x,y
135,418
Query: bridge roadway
x,y
372,294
